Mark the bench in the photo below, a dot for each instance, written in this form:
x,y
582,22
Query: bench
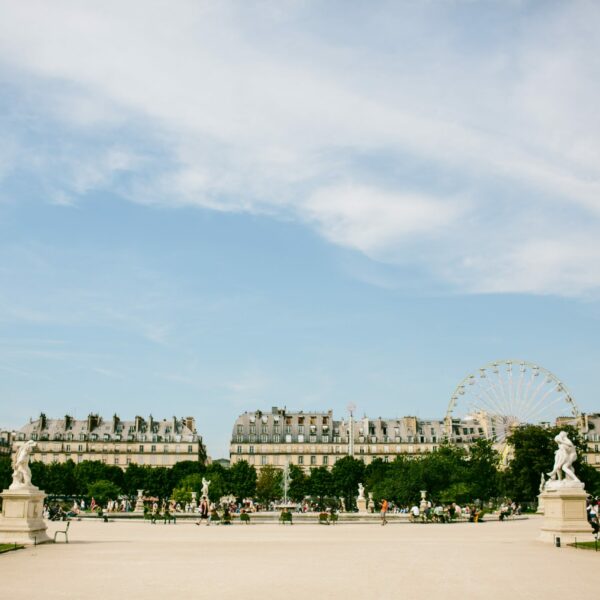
x,y
64,531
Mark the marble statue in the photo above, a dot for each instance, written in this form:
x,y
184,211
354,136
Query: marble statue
x,y
205,484
21,477
361,491
542,483
564,458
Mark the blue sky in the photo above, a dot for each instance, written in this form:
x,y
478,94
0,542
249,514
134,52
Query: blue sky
x,y
207,208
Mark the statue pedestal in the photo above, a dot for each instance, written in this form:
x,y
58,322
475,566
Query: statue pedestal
x,y
139,503
540,508
564,512
361,504
22,520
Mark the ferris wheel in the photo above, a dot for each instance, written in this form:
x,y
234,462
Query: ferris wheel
x,y
504,394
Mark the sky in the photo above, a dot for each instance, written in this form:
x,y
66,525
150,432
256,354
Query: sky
x,y
214,207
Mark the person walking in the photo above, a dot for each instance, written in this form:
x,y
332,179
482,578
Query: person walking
x,y
203,511
384,509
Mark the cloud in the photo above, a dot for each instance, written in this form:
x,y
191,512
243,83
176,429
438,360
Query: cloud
x,y
407,132
373,220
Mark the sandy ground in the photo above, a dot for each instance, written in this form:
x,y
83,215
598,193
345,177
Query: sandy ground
x,y
138,560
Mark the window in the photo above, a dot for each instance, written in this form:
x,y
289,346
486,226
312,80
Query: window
x,y
252,428
264,429
239,449
325,439
153,448
313,439
288,429
116,460
300,428
80,448
326,460
264,438
301,460
313,460
300,439
240,429
263,460
141,448
251,450
68,447
276,439
240,438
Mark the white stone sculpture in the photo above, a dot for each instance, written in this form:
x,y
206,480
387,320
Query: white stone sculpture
x,y
542,483
22,520
361,491
205,485
564,458
21,477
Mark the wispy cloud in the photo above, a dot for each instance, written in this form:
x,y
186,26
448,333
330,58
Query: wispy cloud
x,y
406,132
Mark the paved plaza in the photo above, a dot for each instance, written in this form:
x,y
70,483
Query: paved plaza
x,y
137,560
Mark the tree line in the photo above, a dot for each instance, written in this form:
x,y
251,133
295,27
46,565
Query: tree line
x,y
451,474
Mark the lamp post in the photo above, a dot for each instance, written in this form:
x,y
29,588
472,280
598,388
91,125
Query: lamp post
x,y
351,409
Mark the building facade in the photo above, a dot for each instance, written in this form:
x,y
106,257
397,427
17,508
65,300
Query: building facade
x,y
158,443
589,426
6,439
315,439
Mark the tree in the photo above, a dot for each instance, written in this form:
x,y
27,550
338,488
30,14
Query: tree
x,y
5,472
90,471
242,477
60,479
158,481
183,469
347,473
534,447
268,484
320,484
482,467
102,491
134,479
190,483
298,484
219,481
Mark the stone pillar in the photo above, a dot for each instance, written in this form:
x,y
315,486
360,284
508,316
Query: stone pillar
x,y
139,503
22,519
564,512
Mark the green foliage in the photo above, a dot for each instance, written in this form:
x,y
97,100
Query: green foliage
x,y
534,448
102,491
320,484
483,477
347,473
219,481
242,477
5,472
186,467
268,484
90,471
298,488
